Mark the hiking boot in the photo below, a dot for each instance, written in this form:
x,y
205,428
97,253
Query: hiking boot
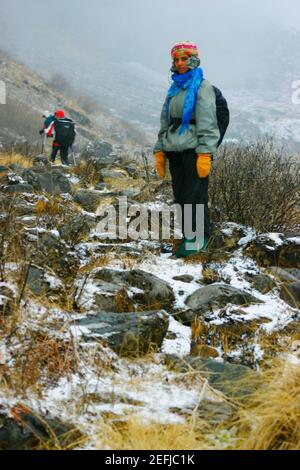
x,y
200,246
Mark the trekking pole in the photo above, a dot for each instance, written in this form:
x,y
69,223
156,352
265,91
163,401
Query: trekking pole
x,y
43,143
73,154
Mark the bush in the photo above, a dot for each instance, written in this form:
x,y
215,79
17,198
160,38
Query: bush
x,y
255,185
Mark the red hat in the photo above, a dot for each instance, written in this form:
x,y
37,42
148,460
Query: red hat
x,y
185,47
60,113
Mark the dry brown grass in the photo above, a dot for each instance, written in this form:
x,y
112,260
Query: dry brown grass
x,y
44,357
134,434
11,158
88,172
271,417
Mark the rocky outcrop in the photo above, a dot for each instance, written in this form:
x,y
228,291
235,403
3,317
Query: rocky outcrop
x,y
49,181
231,379
127,333
119,291
48,249
275,250
209,298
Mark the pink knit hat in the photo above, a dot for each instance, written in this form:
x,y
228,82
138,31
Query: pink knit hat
x,y
186,47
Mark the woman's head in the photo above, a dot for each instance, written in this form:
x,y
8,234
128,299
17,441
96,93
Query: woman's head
x,y
185,57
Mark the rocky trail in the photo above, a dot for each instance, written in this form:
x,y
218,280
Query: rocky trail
x,y
94,332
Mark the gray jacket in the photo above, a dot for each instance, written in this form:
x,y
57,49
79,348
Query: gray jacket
x,y
202,136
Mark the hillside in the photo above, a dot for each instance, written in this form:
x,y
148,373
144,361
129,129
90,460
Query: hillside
x,y
28,96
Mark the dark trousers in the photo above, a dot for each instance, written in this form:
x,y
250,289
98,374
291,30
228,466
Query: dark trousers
x,y
64,152
188,187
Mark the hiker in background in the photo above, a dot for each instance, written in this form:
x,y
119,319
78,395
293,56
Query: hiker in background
x,y
188,139
48,119
63,131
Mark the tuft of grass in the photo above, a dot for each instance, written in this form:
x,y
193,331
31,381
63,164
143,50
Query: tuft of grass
x,y
134,434
7,159
270,419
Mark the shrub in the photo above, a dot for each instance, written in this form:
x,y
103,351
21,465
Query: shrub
x,y
255,185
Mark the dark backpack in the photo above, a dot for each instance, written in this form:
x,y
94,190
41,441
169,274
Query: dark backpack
x,y
64,131
223,115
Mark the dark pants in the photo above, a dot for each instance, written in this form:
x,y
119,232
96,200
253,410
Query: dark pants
x,y
64,152
188,187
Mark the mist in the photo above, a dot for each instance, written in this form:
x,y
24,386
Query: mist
x,y
239,40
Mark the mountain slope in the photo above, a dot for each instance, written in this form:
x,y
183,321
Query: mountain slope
x,y
28,95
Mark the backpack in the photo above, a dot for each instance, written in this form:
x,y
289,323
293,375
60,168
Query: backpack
x,y
64,131
223,115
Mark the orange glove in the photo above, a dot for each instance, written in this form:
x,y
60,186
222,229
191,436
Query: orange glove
x,y
160,164
203,165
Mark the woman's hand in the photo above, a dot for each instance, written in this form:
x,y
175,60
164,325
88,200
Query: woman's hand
x,y
160,164
203,165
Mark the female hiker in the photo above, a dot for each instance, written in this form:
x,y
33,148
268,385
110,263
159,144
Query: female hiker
x,y
188,139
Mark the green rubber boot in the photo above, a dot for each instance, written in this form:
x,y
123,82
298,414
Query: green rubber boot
x,y
185,250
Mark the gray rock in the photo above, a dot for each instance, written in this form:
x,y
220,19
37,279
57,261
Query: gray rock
x,y
267,252
41,162
89,199
7,300
100,187
28,430
261,282
119,291
289,255
215,412
113,173
77,228
100,150
127,333
47,249
18,188
184,278
290,293
231,379
294,272
287,275
44,283
52,182
212,297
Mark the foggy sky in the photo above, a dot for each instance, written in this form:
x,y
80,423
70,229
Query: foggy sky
x,y
235,37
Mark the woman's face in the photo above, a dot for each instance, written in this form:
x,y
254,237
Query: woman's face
x,y
180,62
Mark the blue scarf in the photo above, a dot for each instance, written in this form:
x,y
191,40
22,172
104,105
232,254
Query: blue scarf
x,y
190,81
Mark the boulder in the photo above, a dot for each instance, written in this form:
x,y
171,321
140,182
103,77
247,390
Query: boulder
x,y
77,228
101,151
290,293
127,333
261,282
233,380
25,429
285,275
226,236
119,291
44,283
275,250
42,179
18,188
114,173
47,249
212,297
90,200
